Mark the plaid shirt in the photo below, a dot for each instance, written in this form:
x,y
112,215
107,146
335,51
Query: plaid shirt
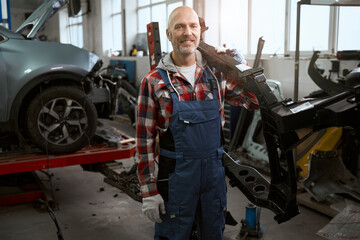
x,y
155,111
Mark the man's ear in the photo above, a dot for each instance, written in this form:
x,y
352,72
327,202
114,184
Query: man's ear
x,y
168,34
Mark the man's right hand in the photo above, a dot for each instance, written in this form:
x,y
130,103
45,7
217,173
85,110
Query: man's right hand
x,y
153,206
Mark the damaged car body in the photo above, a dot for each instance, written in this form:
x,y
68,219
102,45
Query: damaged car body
x,y
47,89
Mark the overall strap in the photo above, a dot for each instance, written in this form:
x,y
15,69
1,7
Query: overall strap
x,y
212,80
166,80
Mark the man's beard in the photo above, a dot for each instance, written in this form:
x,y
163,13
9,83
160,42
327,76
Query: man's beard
x,y
180,49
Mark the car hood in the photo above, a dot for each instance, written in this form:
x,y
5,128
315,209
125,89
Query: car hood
x,y
39,17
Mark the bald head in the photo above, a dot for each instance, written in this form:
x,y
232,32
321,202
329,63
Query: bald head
x,y
183,30
183,10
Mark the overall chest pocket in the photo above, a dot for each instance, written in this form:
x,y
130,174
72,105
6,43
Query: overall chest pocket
x,y
198,132
198,117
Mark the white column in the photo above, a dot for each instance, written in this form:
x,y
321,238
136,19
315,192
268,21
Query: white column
x,y
4,14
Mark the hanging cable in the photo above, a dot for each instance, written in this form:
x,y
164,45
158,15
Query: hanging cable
x,y
53,217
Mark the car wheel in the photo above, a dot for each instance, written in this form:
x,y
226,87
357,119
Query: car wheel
x,y
61,120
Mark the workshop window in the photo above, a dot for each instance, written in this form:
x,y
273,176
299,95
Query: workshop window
x,y
144,17
158,11
159,17
234,31
76,30
314,34
117,24
240,24
268,21
212,19
142,3
112,37
349,28
72,31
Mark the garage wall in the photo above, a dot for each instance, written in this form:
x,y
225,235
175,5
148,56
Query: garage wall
x,y
17,17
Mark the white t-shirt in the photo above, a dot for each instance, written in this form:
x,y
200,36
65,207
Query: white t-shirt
x,y
188,73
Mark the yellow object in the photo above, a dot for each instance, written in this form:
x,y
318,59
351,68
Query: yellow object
x,y
134,52
324,140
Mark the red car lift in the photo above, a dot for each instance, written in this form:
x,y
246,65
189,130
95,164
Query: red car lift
x,y
15,163
20,163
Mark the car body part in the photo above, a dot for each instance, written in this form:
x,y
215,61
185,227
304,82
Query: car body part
x,y
253,142
116,175
322,181
39,17
120,92
256,187
108,133
37,62
239,129
260,47
280,122
325,84
353,78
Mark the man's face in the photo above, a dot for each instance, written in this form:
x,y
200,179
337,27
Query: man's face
x,y
184,31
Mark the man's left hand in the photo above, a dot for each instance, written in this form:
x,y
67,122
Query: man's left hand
x,y
233,53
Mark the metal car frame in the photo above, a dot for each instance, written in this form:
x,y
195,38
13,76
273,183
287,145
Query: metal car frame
x,y
280,122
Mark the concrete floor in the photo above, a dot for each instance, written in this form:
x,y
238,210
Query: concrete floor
x,y
91,209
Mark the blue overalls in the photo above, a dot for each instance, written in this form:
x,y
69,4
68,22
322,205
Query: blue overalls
x,y
196,188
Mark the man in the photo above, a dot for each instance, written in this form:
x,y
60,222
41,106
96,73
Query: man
x,y
182,102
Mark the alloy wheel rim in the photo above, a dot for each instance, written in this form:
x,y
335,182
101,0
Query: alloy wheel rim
x,y
62,121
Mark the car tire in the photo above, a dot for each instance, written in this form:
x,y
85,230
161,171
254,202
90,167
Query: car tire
x,y
61,120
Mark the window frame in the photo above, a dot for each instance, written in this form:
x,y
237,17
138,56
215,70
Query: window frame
x,y
333,26
332,35
69,25
112,15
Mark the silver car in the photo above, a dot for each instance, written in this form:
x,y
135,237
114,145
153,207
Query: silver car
x,y
45,88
